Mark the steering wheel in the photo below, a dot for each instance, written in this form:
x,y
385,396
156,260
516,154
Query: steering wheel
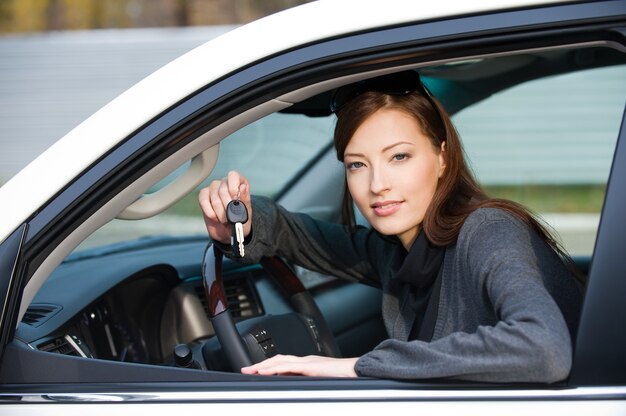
x,y
300,299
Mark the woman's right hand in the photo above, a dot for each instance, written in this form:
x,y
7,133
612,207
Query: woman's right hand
x,y
214,199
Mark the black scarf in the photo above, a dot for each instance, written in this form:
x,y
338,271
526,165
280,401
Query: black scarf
x,y
418,273
421,264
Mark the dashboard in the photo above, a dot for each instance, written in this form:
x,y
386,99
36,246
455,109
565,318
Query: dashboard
x,y
137,302
133,304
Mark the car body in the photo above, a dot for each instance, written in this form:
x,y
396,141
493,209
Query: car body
x,y
90,327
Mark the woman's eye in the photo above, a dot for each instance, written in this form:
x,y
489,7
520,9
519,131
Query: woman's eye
x,y
354,165
400,156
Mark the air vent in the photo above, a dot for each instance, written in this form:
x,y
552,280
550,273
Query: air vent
x,y
242,302
38,313
65,345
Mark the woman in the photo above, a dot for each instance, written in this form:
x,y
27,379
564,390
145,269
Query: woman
x,y
473,288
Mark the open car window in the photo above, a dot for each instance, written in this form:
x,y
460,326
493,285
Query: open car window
x,y
543,143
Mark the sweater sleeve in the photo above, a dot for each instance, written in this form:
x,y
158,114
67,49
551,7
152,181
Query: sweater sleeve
x,y
316,245
499,263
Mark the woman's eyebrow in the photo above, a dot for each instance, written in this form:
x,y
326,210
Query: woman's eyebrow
x,y
391,146
386,148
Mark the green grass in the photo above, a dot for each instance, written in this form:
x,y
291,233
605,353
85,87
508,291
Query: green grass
x,y
538,198
553,198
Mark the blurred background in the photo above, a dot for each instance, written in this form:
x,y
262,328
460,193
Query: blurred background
x,y
19,16
62,60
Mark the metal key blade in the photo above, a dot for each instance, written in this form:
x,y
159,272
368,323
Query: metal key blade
x,y
239,236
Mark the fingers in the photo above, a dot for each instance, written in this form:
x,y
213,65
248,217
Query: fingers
x,y
233,184
279,364
238,187
311,365
220,197
215,198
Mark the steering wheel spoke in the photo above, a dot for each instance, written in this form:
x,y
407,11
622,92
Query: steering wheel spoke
x,y
234,345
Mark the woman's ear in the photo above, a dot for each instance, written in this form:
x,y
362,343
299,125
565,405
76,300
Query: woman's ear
x,y
443,157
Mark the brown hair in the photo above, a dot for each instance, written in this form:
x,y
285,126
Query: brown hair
x,y
458,193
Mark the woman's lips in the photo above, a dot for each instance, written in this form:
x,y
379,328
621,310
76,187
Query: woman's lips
x,y
383,209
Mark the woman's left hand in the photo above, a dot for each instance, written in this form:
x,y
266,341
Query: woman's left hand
x,y
311,365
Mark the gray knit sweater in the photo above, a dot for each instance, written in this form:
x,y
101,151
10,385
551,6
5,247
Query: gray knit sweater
x,y
505,305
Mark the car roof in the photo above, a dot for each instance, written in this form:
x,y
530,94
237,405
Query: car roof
x,y
265,37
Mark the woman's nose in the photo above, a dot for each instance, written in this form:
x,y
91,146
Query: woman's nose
x,y
379,182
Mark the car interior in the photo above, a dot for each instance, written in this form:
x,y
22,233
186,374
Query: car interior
x,y
144,301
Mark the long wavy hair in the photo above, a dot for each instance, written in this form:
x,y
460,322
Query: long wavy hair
x,y
458,193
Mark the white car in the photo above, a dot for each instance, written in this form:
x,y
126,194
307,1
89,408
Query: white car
x,y
102,243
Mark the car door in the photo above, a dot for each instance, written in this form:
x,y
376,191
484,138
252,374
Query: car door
x,y
31,380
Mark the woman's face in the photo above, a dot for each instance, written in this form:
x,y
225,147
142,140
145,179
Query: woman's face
x,y
392,171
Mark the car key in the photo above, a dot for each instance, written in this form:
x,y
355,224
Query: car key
x,y
237,214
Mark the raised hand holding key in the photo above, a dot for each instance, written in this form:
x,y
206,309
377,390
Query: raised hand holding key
x,y
226,202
